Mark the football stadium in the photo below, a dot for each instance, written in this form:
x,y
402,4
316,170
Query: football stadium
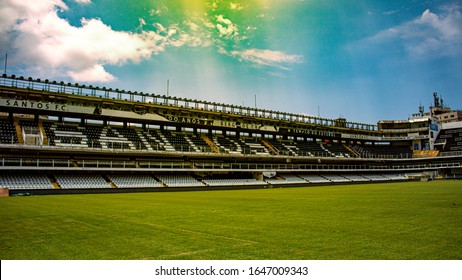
x,y
103,173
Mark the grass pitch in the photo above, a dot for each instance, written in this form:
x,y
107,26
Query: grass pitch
x,y
371,221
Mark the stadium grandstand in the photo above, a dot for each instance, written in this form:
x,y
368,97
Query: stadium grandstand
x,y
58,137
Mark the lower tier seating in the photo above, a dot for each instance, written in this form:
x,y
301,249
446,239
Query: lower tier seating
x,y
37,181
232,182
25,181
81,181
179,180
134,181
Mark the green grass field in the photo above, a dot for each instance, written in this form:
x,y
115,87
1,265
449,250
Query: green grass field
x,y
371,221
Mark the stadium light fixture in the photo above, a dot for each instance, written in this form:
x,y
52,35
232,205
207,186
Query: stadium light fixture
x,y
6,63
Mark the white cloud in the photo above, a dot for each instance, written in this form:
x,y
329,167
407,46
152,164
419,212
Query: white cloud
x,y
268,57
83,1
226,27
154,12
46,44
95,73
390,12
214,6
430,34
235,6
160,28
142,23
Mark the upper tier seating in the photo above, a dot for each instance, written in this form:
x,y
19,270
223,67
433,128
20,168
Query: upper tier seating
x,y
311,149
131,134
283,147
451,139
93,134
65,135
382,151
112,139
176,141
8,133
226,145
336,150
252,146
154,139
70,134
198,143
236,145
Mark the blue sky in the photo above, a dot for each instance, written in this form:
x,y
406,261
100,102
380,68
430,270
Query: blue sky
x,y
362,60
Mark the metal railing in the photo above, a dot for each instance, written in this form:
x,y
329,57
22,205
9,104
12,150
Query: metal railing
x,y
118,147
23,163
109,93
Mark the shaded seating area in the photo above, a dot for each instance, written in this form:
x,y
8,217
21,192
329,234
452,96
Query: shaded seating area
x,y
336,150
226,145
382,151
311,149
131,135
8,133
177,141
120,136
450,140
65,135
198,144
283,148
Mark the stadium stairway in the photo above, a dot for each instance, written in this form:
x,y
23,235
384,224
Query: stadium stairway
x,y
270,147
109,181
210,143
19,132
44,135
353,152
54,182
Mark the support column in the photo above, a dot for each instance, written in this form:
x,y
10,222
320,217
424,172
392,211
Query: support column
x,y
258,176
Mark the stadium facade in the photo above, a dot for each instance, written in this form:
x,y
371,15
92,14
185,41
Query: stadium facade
x,y
59,137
